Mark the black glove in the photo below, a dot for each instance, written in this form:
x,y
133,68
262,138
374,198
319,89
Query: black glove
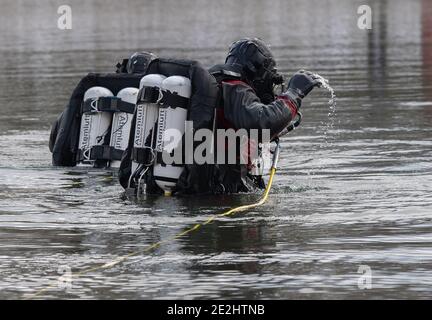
x,y
300,84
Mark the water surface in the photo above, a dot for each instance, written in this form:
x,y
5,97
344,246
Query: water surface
x,y
353,189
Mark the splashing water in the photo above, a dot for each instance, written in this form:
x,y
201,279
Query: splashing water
x,y
327,126
329,123
324,83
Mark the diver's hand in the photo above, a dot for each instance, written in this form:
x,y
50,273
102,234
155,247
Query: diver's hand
x,y
302,82
299,86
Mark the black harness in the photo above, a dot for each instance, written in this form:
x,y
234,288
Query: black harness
x,y
107,104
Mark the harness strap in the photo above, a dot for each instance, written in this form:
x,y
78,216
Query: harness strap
x,y
107,104
102,152
148,94
173,100
142,155
166,179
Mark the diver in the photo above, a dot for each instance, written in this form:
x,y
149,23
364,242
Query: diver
x,y
247,100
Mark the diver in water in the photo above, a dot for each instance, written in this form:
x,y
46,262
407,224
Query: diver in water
x,y
105,123
247,100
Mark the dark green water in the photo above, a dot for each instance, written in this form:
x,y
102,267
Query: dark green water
x,y
354,186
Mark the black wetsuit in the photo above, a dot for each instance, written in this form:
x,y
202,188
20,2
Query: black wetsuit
x,y
239,107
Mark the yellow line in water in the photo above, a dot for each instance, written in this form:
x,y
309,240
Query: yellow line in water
x,y
179,235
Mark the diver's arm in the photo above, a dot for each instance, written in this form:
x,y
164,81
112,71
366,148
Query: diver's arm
x,y
243,109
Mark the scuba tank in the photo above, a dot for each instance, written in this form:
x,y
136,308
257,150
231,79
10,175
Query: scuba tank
x,y
172,92
105,126
121,124
95,124
70,127
175,92
146,117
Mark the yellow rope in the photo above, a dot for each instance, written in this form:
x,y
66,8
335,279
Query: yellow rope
x,y
179,235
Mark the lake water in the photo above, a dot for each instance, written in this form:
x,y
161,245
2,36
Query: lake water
x,y
353,193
